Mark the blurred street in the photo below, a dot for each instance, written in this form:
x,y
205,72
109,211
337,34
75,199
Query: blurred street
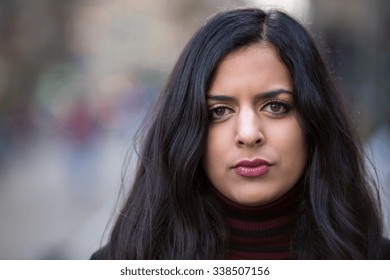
x,y
48,193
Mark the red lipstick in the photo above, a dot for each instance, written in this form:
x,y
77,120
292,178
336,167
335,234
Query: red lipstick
x,y
252,168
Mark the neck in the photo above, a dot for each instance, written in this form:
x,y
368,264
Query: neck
x,y
261,232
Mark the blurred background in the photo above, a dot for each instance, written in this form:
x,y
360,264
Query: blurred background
x,y
76,77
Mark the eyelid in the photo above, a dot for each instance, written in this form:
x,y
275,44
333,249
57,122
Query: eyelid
x,y
218,105
221,103
280,101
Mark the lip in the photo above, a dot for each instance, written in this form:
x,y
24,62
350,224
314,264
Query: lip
x,y
252,168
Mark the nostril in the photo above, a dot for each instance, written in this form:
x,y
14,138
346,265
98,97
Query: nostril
x,y
257,141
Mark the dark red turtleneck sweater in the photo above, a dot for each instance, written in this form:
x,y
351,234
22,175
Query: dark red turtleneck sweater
x,y
261,232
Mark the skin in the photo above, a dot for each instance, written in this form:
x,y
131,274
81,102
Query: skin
x,y
252,116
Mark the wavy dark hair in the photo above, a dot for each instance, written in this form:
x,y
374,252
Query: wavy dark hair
x,y
171,213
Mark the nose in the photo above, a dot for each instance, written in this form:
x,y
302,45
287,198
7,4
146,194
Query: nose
x,y
249,130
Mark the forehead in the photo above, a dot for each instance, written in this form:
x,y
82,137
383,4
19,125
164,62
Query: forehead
x,y
266,54
257,65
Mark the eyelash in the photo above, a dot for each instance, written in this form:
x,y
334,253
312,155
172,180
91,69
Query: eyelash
x,y
287,108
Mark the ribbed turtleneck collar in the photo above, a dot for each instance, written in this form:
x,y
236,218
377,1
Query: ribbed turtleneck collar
x,y
261,232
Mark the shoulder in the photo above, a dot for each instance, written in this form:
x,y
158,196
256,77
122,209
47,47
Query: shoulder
x,y
100,254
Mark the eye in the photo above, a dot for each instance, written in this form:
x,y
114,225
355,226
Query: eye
x,y
277,107
219,112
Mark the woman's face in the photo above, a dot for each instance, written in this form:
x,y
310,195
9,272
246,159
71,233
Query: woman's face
x,y
255,149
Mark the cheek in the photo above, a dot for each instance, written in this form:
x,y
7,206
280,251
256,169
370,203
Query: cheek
x,y
291,145
217,143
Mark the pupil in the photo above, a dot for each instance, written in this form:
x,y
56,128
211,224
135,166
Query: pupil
x,y
220,111
275,107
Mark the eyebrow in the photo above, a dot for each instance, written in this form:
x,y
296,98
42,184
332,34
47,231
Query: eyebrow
x,y
264,95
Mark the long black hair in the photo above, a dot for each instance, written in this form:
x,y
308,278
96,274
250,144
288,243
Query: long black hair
x,y
171,213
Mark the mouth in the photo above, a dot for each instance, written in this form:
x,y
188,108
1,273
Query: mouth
x,y
252,168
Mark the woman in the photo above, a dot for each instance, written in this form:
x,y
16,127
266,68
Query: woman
x,y
248,153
